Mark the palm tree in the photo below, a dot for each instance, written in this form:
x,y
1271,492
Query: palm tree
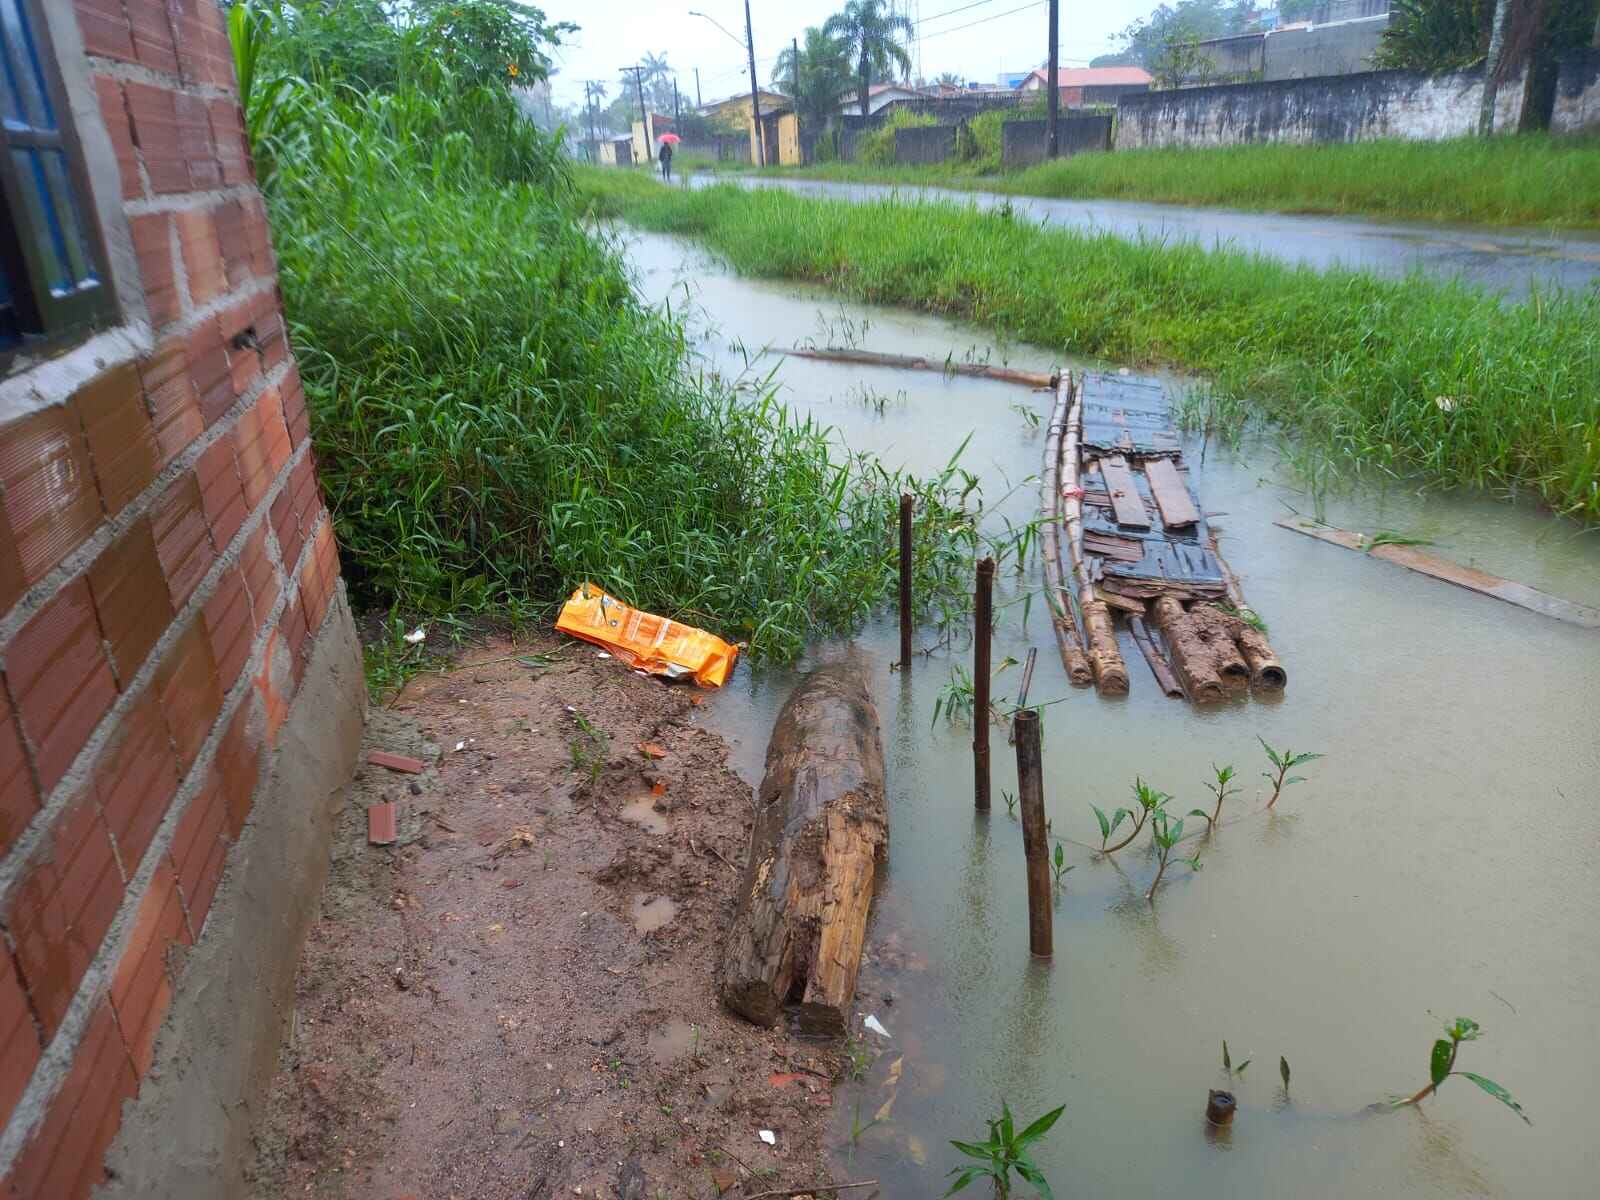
x,y
949,79
824,75
872,37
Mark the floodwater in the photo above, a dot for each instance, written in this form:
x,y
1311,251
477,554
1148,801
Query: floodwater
x,y
1440,861
1497,257
651,913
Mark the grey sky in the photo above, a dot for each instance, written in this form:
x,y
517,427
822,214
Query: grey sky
x,y
977,43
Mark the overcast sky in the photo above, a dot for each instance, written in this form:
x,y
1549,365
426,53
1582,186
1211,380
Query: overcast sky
x,y
978,42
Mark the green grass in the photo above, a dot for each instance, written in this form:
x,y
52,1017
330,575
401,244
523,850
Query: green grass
x,y
1526,180
498,419
1354,365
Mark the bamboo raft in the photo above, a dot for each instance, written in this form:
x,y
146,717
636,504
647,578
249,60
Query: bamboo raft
x,y
1114,488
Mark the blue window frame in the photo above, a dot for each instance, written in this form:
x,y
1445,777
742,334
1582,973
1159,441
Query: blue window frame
x,y
53,283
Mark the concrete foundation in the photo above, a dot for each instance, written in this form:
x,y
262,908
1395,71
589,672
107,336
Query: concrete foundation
x,y
189,1132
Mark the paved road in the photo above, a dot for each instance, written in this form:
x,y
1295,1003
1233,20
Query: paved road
x,y
1500,258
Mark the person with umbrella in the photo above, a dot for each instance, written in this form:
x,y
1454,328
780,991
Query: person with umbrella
x,y
668,140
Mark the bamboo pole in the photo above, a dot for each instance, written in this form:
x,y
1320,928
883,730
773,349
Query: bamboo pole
x,y
1099,634
1062,619
905,582
983,616
915,362
1035,844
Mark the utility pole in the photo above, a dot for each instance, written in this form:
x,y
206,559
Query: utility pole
x,y
755,94
699,103
591,88
644,117
1052,72
674,101
1491,70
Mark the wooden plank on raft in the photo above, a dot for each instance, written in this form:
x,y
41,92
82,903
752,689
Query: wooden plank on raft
x,y
1415,559
1126,501
1172,494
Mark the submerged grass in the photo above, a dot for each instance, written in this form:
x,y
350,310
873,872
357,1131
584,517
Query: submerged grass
x,y
1402,376
1531,179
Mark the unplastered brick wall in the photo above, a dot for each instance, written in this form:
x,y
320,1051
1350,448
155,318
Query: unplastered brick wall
x,y
165,560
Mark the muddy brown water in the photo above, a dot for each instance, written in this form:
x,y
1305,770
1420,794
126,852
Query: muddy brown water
x,y
1440,861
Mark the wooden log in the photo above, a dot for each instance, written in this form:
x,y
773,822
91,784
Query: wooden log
x,y
1159,667
1474,580
1191,655
915,362
1062,620
1035,842
1266,672
906,568
1099,634
821,830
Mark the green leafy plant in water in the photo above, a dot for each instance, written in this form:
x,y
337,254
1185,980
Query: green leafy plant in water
x,y
1011,802
1221,789
1149,801
956,698
1228,1068
1283,761
1058,864
1167,833
1442,1065
1005,1153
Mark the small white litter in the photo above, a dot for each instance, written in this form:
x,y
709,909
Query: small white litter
x,y
417,635
872,1023
769,1137
460,746
602,654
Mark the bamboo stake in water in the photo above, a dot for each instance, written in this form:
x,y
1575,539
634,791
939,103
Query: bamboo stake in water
x,y
983,618
905,582
1035,843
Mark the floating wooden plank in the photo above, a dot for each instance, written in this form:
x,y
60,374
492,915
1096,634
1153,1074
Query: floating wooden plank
x,y
915,362
1125,498
1416,559
1171,493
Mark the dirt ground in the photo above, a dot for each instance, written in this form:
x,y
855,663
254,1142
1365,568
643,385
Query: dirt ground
x,y
517,999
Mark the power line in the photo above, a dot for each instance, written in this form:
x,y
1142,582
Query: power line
x,y
970,24
950,12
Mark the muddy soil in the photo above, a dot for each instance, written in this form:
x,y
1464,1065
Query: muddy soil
x,y
517,999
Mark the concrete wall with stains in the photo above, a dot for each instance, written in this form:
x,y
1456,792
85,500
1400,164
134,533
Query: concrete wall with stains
x,y
1577,103
169,583
1023,143
1406,105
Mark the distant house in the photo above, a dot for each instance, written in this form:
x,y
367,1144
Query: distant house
x,y
733,114
879,96
1081,86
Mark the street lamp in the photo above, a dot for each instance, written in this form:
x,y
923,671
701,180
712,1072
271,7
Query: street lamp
x,y
749,44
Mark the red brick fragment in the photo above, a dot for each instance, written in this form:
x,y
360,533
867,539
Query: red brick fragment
x,y
381,828
396,762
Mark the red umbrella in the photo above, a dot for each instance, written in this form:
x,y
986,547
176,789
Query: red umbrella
x,y
671,139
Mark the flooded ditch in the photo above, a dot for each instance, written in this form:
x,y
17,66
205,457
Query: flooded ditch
x,y
1438,862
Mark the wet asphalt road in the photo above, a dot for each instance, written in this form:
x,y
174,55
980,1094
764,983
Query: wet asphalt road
x,y
1499,258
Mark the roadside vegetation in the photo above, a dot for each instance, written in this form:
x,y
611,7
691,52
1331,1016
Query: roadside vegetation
x,y
1532,179
496,417
1405,377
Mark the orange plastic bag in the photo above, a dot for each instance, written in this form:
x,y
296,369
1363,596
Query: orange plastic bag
x,y
646,641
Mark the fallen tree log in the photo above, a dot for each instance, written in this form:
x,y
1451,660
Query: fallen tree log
x,y
915,362
821,830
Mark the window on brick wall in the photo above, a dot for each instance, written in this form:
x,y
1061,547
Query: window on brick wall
x,y
53,282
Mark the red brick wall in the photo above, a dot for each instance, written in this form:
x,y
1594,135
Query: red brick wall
x,y
164,558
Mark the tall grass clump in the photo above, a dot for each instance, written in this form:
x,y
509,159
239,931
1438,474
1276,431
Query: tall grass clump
x,y
1436,379
1530,179
497,418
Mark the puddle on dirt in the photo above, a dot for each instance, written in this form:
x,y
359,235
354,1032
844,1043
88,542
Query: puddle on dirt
x,y
670,1042
642,812
1437,862
650,913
